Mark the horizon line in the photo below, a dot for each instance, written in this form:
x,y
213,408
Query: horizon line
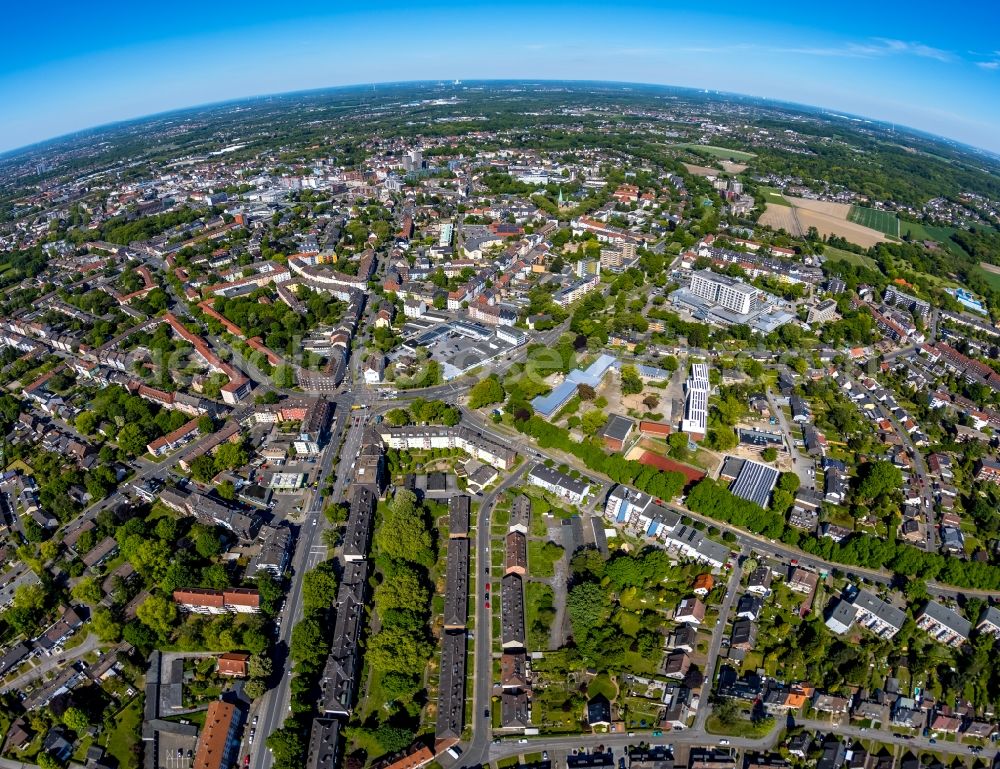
x,y
830,111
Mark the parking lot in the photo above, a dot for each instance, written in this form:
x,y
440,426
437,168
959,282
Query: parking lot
x,y
174,750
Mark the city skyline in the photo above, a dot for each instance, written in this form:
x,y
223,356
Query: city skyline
x,y
880,64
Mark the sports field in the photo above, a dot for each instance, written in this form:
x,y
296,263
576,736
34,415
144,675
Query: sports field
x,y
883,221
773,195
718,152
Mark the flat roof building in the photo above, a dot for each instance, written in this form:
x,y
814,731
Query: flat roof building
x,y
697,389
731,293
755,483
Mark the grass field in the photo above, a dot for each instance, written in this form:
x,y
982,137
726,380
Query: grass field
x,y
839,255
126,734
718,152
882,221
919,231
993,278
773,195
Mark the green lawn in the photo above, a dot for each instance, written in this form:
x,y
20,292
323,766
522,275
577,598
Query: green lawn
x,y
542,557
539,611
119,742
839,255
602,684
742,728
921,231
883,221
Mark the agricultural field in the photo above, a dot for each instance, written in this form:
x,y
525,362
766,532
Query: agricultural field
x,y
883,221
827,217
700,170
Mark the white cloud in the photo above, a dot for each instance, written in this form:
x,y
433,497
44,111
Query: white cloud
x,y
990,65
874,48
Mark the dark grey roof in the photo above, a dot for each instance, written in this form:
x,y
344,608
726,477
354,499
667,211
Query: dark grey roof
x,y
451,689
456,595
512,610
458,515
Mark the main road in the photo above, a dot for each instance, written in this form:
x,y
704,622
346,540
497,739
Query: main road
x,y
272,708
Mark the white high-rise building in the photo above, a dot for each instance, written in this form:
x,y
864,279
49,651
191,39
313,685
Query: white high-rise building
x,y
729,292
697,387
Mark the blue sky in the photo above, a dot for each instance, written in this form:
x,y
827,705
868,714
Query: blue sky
x,y
69,66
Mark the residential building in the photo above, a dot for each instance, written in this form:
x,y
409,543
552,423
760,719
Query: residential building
x,y
512,612
691,611
989,622
238,600
943,624
219,737
571,489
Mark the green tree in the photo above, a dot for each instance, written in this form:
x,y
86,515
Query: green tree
x,y
255,688
593,421
76,719
319,587
486,393
206,541
48,761
586,604
287,746
229,456
769,454
398,417
261,666
159,614
132,440
403,588
879,477
404,534
400,651
88,591
393,739
631,381
206,424
86,422
203,468
105,626
309,645
336,513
